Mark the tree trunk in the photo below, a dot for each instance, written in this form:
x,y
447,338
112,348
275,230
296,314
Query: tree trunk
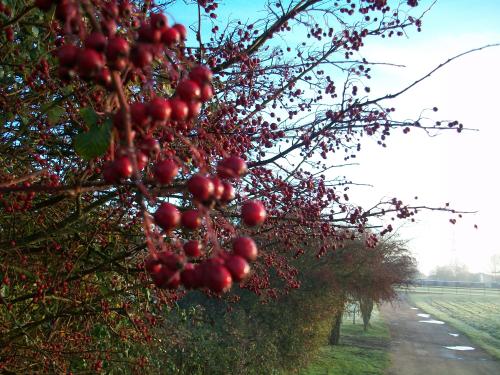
x,y
366,307
335,333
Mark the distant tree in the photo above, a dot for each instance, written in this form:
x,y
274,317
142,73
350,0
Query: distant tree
x,y
453,272
378,271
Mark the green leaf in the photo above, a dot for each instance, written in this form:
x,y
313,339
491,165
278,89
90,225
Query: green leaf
x,y
89,116
35,31
55,113
95,142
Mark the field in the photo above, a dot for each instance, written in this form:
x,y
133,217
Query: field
x,y
476,313
359,352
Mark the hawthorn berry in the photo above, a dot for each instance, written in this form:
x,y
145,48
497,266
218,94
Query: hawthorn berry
x,y
158,21
188,90
170,37
191,277
218,188
149,34
253,213
160,109
201,187
167,216
141,56
139,114
246,248
229,193
193,248
67,55
238,267
201,74
165,171
181,29
89,62
123,167
232,167
206,92
96,41
217,277
180,109
191,219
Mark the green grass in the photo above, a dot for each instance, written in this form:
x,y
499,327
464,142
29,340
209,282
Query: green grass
x,y
359,352
476,316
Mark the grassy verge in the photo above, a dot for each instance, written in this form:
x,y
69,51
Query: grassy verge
x,y
360,353
478,317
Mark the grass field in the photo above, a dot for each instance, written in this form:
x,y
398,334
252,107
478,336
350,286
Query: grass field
x,y
359,352
474,314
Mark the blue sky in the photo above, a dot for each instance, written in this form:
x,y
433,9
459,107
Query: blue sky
x,y
461,169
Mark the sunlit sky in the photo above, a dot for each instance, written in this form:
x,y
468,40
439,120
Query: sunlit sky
x,y
456,168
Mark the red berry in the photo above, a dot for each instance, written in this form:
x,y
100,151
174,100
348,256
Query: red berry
x,y
166,278
167,216
139,114
207,92
201,187
180,109
165,171
201,74
118,48
193,248
158,21
217,278
170,37
109,27
238,267
233,166
229,193
253,213
68,55
123,167
194,109
89,63
160,109
182,30
152,264
66,10
246,248
142,160
96,41
141,56
218,188
104,78
171,260
148,34
150,146
188,90
191,219
191,276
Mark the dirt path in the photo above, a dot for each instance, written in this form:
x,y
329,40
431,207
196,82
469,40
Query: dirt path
x,y
419,348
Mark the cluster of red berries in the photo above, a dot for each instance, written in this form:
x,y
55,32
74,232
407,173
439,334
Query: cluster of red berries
x,y
104,49
184,106
169,270
217,273
94,59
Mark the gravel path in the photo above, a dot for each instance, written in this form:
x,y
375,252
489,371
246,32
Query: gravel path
x,y
419,348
